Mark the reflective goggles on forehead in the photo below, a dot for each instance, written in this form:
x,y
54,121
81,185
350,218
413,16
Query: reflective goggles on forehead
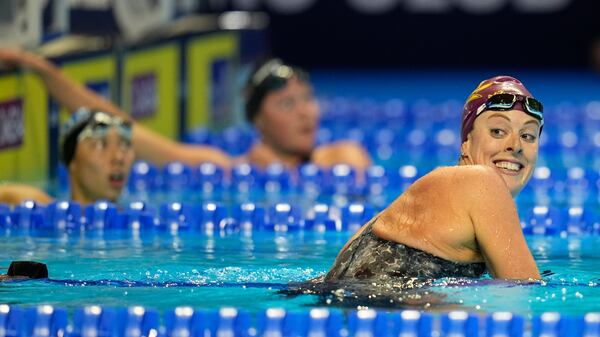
x,y
532,106
274,75
101,123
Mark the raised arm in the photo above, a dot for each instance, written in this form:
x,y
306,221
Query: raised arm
x,y
497,229
66,91
14,194
147,144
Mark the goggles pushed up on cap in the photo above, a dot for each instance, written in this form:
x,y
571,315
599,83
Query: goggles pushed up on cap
x,y
273,75
101,123
505,101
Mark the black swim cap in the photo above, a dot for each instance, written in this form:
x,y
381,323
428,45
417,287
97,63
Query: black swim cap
x,y
89,123
269,76
70,131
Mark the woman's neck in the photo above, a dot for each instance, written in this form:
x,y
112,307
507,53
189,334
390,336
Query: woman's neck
x,y
265,154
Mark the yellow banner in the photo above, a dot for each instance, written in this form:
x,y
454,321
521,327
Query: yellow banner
x,y
23,128
209,94
150,87
99,73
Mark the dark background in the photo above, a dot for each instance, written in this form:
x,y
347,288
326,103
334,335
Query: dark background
x,y
332,34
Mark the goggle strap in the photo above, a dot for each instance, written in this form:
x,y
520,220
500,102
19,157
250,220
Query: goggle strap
x,y
481,109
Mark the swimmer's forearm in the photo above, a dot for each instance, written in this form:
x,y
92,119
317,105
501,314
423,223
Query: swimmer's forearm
x,y
65,90
14,194
153,147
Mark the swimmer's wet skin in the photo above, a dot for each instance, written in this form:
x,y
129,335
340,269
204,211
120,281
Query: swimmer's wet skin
x,y
373,258
379,273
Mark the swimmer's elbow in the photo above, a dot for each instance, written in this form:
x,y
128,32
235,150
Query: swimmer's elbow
x,y
530,274
530,278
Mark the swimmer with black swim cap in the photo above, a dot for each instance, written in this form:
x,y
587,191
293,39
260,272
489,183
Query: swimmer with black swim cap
x,y
97,150
281,105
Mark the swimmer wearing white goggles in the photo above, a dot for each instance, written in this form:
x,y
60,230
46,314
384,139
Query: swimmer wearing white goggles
x,y
96,148
100,124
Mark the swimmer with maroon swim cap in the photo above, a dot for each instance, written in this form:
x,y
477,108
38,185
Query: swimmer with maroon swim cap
x,y
499,93
501,125
458,221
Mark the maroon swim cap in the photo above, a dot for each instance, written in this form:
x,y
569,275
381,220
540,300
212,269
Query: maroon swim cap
x,y
486,89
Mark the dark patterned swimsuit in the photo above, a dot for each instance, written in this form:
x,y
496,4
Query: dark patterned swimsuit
x,y
369,257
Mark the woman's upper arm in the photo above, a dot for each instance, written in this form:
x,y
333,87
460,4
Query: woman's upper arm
x,y
498,231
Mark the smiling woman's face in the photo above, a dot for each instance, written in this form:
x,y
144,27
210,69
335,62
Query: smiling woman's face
x,y
506,141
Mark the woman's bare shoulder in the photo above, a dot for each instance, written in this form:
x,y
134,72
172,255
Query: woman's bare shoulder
x,y
340,144
347,152
465,176
475,173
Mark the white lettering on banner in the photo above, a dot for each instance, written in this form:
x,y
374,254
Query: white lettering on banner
x,y
218,5
373,6
541,6
481,6
91,4
469,6
11,124
365,6
428,6
187,6
247,5
143,96
290,6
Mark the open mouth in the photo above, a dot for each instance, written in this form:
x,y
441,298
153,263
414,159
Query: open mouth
x,y
307,130
117,179
508,166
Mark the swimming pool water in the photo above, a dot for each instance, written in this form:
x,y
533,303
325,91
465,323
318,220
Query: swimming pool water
x,y
163,270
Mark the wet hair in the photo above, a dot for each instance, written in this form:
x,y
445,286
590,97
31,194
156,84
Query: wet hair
x,y
268,76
